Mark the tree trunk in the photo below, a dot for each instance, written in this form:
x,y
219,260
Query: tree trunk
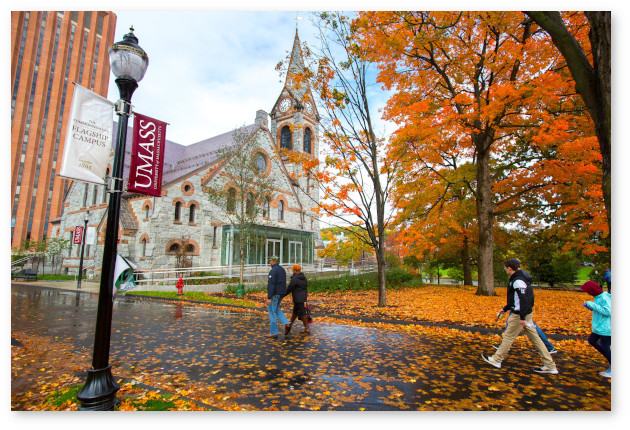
x,y
242,262
382,285
485,217
466,262
600,44
592,83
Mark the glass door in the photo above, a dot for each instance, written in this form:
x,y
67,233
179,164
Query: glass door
x,y
273,249
295,252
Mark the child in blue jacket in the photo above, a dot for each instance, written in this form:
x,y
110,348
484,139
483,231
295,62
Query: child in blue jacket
x,y
600,306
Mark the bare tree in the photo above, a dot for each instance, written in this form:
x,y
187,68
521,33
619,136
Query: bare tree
x,y
356,176
242,199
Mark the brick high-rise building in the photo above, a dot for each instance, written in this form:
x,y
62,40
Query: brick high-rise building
x,y
49,51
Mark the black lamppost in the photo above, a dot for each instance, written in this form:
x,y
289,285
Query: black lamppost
x,y
128,63
85,219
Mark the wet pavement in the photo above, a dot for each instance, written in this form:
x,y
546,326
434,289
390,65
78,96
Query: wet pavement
x,y
336,367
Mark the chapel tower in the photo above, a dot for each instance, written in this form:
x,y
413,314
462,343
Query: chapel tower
x,y
295,127
294,117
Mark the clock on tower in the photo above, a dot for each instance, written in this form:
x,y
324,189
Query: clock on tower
x,y
285,104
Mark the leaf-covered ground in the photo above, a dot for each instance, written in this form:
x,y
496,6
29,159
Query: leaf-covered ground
x,y
344,364
556,311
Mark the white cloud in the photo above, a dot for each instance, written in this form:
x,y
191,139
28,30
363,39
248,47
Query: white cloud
x,y
209,71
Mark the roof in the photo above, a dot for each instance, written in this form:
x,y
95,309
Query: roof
x,y
180,160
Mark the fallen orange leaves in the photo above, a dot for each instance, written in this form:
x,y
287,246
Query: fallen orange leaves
x,y
555,311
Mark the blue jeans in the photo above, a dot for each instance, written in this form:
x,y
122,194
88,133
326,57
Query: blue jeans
x,y
276,312
541,334
601,344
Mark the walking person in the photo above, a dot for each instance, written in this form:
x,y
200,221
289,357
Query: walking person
x,y
520,303
600,331
298,289
276,290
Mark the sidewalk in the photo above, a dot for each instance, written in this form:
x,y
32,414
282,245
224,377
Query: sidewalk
x,y
88,286
94,286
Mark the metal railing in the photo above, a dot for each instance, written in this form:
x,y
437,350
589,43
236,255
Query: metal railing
x,y
17,262
253,273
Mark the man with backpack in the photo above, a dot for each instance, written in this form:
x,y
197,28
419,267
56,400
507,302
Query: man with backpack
x,y
520,303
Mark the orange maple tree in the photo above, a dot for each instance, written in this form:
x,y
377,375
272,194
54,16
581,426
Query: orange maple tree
x,y
489,89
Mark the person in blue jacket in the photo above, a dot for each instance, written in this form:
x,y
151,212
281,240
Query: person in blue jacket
x,y
600,331
276,290
607,279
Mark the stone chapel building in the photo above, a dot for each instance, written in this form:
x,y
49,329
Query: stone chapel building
x,y
151,228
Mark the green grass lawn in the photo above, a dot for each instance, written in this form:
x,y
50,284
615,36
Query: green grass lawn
x,y
584,273
197,296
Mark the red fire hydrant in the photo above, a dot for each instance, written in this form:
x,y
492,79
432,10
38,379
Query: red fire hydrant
x,y
180,286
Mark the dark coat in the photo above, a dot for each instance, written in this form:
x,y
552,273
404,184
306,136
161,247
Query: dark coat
x,y
277,283
520,301
298,287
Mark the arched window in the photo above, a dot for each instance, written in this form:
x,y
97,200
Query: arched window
x,y
280,210
178,210
191,215
231,200
94,194
249,204
105,187
144,246
307,140
85,194
146,211
266,205
260,163
190,248
286,138
174,247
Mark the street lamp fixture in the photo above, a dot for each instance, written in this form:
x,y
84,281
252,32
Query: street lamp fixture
x,y
128,63
86,218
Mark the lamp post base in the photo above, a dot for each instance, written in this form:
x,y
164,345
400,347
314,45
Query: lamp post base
x,y
99,391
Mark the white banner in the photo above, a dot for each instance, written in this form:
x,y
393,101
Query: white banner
x,y
90,236
88,138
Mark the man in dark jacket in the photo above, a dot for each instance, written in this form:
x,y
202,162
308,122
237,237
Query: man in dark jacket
x,y
528,280
298,289
276,290
520,302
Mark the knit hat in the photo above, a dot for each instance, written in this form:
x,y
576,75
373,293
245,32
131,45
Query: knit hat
x,y
592,288
297,268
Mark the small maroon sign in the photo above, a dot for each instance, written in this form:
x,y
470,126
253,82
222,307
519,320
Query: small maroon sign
x,y
77,239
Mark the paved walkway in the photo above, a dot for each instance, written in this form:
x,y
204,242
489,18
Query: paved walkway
x,y
337,367
89,286
94,286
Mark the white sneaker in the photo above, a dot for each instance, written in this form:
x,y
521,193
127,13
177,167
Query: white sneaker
x,y
491,361
605,373
545,369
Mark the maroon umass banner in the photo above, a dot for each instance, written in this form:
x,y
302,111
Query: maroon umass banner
x,y
147,156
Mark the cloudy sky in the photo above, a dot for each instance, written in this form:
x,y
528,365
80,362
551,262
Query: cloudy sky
x,y
209,71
